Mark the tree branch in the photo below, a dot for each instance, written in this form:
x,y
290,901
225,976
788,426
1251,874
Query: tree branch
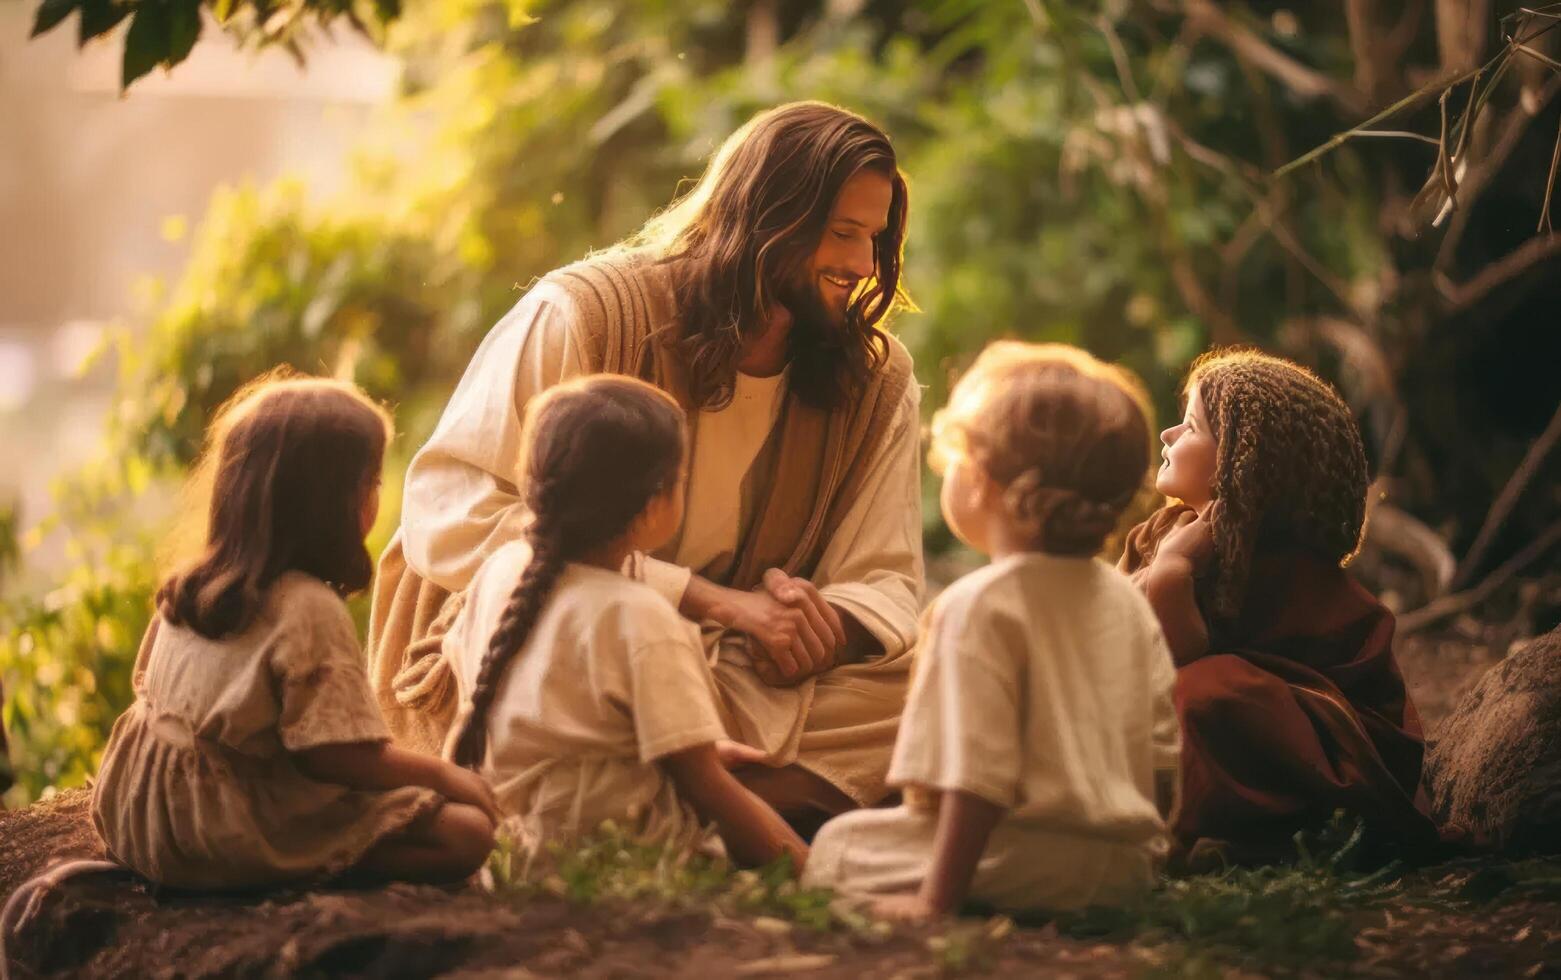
x,y
1451,605
1365,44
1480,175
1461,296
1300,79
1550,186
1508,499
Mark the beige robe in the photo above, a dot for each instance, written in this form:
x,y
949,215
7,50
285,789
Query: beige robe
x,y
1045,688
198,787
834,498
609,681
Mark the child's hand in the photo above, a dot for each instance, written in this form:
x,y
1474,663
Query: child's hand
x,y
461,785
1193,543
902,908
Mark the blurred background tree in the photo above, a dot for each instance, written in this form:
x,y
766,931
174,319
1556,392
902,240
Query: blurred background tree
x,y
1094,173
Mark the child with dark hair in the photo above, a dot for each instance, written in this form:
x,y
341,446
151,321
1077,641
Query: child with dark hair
x,y
1037,752
585,696
254,753
1292,705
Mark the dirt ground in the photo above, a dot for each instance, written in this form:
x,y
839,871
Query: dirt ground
x,y
109,925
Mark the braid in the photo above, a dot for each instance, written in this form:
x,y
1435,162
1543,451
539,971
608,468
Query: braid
x,y
515,625
1290,469
595,452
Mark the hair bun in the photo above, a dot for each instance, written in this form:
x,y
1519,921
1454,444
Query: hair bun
x,y
1080,516
1058,519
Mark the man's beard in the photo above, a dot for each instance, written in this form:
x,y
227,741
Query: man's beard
x,y
814,323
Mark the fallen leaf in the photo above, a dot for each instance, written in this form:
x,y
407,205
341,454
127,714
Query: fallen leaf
x,y
771,926
1000,927
794,963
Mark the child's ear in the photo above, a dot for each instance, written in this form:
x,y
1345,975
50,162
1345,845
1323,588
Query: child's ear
x,y
984,491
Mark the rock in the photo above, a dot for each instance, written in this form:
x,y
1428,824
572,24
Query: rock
x,y
1494,768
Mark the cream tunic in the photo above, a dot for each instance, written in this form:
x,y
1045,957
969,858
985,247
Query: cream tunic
x,y
462,503
198,787
609,680
728,442
1046,688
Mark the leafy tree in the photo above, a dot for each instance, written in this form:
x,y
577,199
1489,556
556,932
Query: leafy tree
x,y
163,32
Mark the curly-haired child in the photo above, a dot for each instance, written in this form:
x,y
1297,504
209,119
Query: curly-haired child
x,y
1291,702
585,696
254,753
1038,746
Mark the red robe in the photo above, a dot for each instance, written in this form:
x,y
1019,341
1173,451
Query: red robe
x,y
1297,709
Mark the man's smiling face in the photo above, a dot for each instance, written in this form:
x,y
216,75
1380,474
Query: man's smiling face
x,y
846,252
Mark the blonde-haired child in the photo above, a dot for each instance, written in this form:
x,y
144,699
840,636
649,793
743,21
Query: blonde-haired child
x,y
254,753
585,696
1039,722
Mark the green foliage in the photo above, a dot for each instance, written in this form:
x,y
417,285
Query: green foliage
x,y
270,283
66,657
969,945
162,32
610,865
1306,913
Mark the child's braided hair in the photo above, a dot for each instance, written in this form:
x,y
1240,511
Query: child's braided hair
x,y
1290,468
594,453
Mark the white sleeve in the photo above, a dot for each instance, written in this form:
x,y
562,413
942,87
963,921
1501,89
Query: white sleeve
x,y
669,580
872,568
461,502
963,721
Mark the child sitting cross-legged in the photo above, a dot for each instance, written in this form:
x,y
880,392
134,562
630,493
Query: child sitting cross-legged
x,y
1038,747
585,696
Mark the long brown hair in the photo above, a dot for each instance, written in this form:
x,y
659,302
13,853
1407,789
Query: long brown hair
x,y
750,226
594,453
1290,469
1064,434
288,464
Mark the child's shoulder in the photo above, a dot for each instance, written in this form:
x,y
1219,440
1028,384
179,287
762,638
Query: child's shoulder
x,y
969,589
300,597
995,590
1041,586
632,606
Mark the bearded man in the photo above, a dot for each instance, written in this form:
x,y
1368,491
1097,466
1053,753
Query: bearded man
x,y
756,301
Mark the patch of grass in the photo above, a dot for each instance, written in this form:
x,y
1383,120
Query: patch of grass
x,y
969,945
610,865
1279,917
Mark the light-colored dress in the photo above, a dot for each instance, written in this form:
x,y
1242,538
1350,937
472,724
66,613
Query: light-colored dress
x,y
609,680
1045,688
198,787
